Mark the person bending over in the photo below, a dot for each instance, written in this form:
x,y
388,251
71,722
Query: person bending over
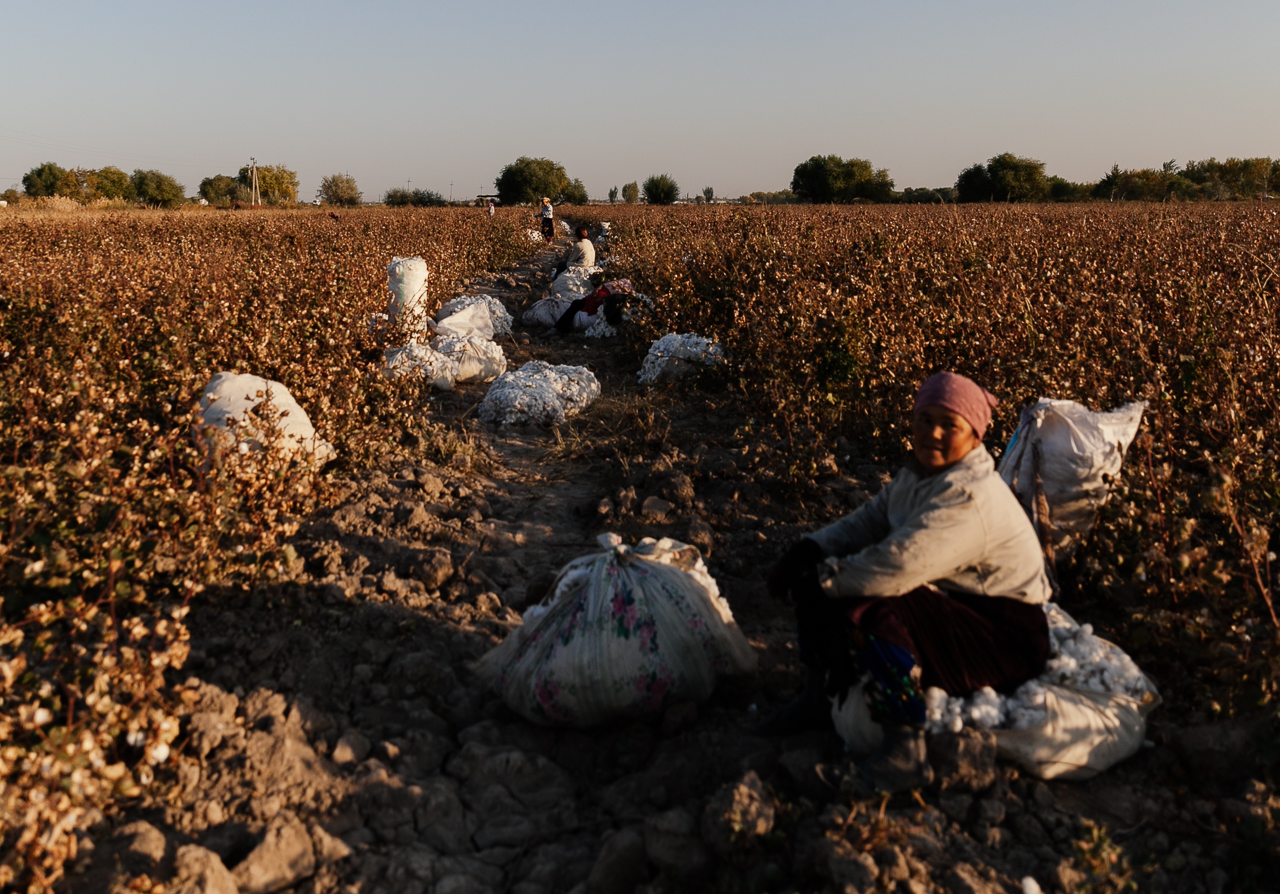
x,y
938,581
583,253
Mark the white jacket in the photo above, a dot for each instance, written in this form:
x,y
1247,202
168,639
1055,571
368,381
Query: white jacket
x,y
961,529
583,254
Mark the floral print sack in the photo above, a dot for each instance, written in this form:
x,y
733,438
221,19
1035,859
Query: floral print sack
x,y
624,632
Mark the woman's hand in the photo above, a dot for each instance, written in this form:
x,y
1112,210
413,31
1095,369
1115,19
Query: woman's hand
x,y
796,572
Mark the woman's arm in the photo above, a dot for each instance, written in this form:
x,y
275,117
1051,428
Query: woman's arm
x,y
947,535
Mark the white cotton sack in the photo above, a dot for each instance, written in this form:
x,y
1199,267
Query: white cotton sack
x,y
574,282
407,284
475,359
240,411
546,312
470,321
424,361
498,315
1071,453
538,393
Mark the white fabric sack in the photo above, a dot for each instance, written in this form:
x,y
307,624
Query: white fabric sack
x,y
475,359
574,282
538,393
407,283
242,409
1063,450
498,315
546,312
1086,732
675,356
422,360
470,321
624,633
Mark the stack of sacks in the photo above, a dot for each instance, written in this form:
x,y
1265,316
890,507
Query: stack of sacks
x,y
539,393
463,349
498,315
1077,659
675,356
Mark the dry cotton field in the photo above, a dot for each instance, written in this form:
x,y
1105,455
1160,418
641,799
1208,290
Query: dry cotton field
x,y
112,517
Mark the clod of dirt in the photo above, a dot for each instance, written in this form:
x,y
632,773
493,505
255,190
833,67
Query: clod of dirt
x,y
198,870
284,857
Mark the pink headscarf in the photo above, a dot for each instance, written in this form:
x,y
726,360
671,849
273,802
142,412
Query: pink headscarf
x,y
959,395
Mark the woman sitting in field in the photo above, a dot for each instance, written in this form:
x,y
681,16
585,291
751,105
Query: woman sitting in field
x,y
583,253
938,581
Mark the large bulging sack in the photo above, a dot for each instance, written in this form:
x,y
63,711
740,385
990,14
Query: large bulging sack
x,y
475,359
472,320
574,282
546,312
625,632
1058,463
498,314
407,301
242,411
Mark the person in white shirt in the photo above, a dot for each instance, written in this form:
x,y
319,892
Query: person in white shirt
x,y
938,581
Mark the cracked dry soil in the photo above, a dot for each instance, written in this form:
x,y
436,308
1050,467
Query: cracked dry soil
x,y
335,740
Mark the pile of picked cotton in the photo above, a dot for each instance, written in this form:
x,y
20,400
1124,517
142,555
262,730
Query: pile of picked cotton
x,y
534,235
601,328
539,393
497,312
1077,659
675,356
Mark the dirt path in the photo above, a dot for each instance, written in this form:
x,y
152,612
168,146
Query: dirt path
x,y
337,741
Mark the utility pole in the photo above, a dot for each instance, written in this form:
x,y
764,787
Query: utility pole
x,y
451,192
255,198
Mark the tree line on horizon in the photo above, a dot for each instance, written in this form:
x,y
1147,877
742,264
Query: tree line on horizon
x,y
822,179
1011,178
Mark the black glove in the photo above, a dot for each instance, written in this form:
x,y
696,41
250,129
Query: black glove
x,y
796,572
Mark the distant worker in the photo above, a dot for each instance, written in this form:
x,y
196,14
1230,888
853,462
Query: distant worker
x,y
583,253
492,208
548,221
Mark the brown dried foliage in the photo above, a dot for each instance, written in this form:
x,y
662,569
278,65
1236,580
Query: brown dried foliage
x,y
115,512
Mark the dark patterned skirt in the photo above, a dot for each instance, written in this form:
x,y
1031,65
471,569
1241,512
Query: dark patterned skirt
x,y
960,642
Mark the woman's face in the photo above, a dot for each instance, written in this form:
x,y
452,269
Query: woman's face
x,y
941,437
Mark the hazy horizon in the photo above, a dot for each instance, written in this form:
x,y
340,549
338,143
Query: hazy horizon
x,y
732,96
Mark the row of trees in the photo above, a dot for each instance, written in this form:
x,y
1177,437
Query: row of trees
x,y
827,179
526,181
111,183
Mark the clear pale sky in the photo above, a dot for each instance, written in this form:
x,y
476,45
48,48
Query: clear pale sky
x,y
730,95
